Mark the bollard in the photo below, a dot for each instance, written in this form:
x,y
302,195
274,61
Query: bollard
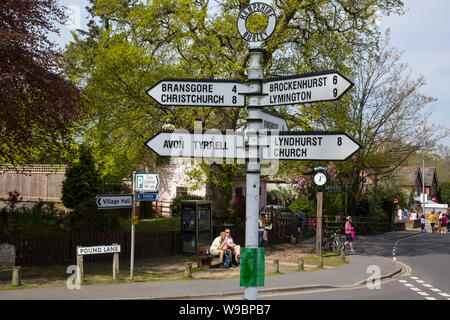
x,y
16,276
276,266
320,265
188,270
80,275
115,265
301,264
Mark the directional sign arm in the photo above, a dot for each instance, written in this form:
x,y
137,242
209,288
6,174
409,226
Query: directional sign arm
x,y
201,93
315,145
305,88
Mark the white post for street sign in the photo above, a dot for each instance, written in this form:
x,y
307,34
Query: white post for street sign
x,y
303,145
114,201
305,88
133,213
199,93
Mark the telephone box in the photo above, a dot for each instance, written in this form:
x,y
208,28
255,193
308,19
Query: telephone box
x,y
196,225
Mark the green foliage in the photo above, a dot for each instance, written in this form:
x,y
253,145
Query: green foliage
x,y
154,225
445,192
86,217
280,196
82,180
307,206
42,218
175,207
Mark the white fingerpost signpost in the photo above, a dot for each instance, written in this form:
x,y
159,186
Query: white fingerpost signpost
x,y
265,140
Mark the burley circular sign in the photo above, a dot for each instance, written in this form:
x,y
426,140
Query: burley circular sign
x,y
257,7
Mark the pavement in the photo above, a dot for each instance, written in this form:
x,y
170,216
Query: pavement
x,y
370,251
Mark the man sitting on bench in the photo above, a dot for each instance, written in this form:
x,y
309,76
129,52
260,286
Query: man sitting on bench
x,y
219,248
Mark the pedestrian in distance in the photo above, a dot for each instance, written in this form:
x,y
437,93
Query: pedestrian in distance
x,y
302,222
260,233
399,214
349,234
444,224
448,222
432,219
422,223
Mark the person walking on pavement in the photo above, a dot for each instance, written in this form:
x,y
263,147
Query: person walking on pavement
x,y
302,222
444,223
422,223
448,222
432,219
399,214
349,234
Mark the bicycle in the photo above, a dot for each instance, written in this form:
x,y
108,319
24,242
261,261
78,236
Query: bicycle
x,y
331,241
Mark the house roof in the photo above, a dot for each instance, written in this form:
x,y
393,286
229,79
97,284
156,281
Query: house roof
x,y
411,173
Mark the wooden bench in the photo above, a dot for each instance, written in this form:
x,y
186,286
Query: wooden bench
x,y
202,258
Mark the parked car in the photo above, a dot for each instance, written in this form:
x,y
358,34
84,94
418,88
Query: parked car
x,y
275,210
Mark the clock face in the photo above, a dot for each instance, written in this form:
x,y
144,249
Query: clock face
x,y
320,179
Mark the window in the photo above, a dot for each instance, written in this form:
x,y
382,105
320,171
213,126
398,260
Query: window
x,y
181,191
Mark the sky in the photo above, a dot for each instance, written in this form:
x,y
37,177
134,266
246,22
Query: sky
x,y
422,34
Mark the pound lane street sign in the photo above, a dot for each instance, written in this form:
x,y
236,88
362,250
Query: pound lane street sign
x,y
209,144
304,145
113,201
305,88
198,93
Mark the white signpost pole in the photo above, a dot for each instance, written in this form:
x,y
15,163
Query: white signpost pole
x,y
133,212
255,75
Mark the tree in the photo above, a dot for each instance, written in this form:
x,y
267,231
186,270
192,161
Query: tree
x,y
131,45
444,190
39,105
386,114
83,180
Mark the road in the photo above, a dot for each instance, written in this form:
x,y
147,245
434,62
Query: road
x,y
426,258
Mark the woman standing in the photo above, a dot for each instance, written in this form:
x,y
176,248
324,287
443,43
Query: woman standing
x,y
349,234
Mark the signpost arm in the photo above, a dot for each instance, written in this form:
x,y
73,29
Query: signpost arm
x,y
133,212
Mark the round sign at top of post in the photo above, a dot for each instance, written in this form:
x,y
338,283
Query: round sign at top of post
x,y
257,7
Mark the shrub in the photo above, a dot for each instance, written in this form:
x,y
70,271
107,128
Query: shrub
x,y
82,180
86,217
175,207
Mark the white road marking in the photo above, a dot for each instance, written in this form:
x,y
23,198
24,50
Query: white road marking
x,y
422,293
430,298
445,295
435,290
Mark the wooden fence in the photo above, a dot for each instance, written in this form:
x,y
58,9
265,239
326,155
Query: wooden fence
x,y
362,225
34,250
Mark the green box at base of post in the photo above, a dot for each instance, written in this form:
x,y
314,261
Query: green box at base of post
x,y
252,267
